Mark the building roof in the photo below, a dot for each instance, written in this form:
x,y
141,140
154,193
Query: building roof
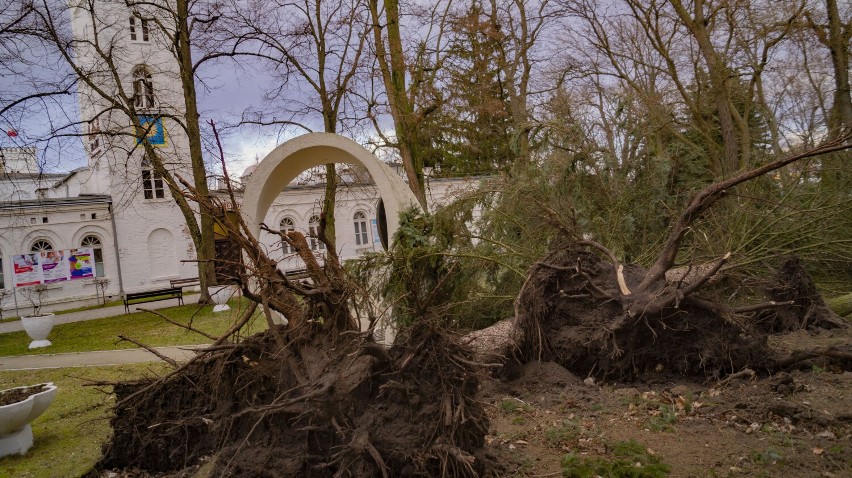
x,y
68,176
88,199
34,176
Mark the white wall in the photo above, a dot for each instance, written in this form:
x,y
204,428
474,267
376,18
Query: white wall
x,y
65,228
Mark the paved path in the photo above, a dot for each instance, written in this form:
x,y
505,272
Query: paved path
x,y
101,357
92,359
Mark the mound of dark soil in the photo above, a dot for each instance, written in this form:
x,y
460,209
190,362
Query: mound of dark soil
x,y
792,283
569,313
309,405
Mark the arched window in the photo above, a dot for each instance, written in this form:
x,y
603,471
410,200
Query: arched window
x,y
152,182
287,225
41,245
95,243
361,236
139,29
313,231
143,88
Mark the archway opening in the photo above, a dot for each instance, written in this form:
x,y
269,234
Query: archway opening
x,y
287,161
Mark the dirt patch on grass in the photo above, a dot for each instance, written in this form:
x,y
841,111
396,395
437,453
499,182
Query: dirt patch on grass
x,y
794,423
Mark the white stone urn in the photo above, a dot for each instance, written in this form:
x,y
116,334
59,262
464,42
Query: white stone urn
x,y
38,327
221,294
16,434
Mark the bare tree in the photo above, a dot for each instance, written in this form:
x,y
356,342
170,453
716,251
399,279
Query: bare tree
x,y
410,77
318,45
114,96
835,34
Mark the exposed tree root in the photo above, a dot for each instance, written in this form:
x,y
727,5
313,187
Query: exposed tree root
x,y
344,411
600,317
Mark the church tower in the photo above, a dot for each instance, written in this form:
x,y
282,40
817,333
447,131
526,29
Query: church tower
x,y
128,72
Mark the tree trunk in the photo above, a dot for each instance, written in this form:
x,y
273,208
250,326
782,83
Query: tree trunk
x,y
733,127
841,305
204,241
327,219
840,115
838,43
402,107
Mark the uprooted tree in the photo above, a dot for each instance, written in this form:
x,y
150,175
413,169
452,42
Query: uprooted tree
x,y
604,318
313,397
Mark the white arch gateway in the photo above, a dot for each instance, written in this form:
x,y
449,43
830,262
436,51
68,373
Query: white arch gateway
x,y
284,163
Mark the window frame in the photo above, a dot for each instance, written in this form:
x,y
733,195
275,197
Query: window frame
x,y
144,30
313,232
97,247
94,136
143,88
362,237
45,246
291,227
153,186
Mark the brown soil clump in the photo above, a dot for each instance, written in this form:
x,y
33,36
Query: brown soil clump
x,y
571,312
310,405
792,283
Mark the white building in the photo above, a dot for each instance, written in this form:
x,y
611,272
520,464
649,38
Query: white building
x,y
120,207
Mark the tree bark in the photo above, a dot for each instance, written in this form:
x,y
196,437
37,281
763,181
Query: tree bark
x,y
838,43
733,127
393,67
204,240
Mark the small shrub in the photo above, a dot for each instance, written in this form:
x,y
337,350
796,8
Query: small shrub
x,y
633,461
664,422
767,457
514,406
565,432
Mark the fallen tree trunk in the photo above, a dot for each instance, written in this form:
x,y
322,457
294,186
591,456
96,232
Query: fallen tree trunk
x,y
841,305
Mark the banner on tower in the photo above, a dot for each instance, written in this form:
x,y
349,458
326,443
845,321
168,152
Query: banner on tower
x,y
153,131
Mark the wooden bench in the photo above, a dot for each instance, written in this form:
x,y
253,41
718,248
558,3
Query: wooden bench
x,y
152,296
188,282
297,274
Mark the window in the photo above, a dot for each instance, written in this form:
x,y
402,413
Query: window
x,y
139,29
361,237
94,136
152,182
41,245
2,279
287,225
95,243
313,231
143,88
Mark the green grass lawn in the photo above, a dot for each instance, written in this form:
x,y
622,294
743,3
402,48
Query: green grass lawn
x,y
111,303
69,435
147,328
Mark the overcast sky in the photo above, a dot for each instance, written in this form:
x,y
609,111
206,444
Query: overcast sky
x,y
224,91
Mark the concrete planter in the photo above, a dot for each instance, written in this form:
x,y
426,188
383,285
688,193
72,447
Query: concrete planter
x,y
16,434
38,327
221,294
